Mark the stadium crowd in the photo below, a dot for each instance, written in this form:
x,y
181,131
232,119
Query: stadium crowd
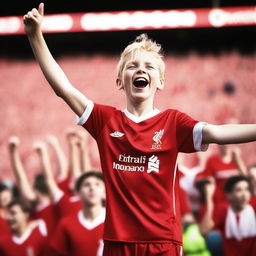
x,y
63,213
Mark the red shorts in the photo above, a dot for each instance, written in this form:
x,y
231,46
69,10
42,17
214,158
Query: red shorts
x,y
141,249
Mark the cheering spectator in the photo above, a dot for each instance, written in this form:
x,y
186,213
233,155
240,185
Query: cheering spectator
x,y
81,233
220,167
64,202
6,196
39,194
236,221
28,237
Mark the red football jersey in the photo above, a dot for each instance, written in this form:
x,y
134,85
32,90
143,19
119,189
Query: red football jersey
x,y
238,230
220,171
77,236
31,243
67,205
46,213
138,159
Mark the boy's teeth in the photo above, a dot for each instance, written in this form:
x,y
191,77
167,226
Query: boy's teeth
x,y
140,79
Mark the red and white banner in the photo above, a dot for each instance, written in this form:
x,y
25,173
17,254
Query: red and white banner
x,y
135,20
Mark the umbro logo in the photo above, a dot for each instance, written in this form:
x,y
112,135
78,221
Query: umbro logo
x,y
117,134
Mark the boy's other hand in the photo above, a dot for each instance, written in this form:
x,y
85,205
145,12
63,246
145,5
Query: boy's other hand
x,y
33,19
39,146
52,140
14,141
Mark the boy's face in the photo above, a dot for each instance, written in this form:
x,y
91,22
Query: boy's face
x,y
92,191
140,77
240,195
5,198
16,217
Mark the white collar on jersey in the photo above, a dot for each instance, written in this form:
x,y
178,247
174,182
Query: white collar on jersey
x,y
91,224
26,234
138,119
38,223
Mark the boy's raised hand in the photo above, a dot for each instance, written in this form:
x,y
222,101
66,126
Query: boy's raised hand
x,y
33,19
13,142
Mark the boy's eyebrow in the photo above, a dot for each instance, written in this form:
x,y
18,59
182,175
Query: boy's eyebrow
x,y
134,61
149,63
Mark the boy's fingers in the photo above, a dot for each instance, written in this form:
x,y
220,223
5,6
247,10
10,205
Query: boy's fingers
x,y
41,9
32,17
39,145
14,140
35,12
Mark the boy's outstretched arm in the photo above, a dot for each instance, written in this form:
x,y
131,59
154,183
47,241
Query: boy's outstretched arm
x,y
51,70
229,133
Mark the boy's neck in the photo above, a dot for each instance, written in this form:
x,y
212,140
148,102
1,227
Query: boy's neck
x,y
141,108
92,212
238,208
21,229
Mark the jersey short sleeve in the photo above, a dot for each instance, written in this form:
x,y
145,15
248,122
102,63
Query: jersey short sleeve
x,y
189,134
95,117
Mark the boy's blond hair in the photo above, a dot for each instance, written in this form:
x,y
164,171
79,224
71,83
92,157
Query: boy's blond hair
x,y
142,42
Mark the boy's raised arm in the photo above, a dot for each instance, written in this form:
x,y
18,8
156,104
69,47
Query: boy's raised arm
x,y
42,150
207,223
51,70
75,163
61,158
18,170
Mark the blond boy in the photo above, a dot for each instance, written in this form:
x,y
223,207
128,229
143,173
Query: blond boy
x,y
138,146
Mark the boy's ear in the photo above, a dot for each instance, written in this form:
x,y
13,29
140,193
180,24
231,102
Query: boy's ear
x,y
161,84
119,84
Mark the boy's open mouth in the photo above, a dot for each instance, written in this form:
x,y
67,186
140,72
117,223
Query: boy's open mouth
x,y
140,82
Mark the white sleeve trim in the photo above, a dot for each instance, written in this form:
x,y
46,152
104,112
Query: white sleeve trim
x,y
84,117
198,137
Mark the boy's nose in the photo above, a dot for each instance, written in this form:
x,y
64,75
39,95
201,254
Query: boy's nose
x,y
141,70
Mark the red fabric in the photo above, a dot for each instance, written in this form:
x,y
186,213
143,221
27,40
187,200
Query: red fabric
x,y
73,238
5,230
67,205
48,215
141,249
142,205
34,245
64,185
184,202
220,171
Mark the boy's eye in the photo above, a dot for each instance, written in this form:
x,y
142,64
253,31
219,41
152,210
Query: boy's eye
x,y
150,67
131,66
